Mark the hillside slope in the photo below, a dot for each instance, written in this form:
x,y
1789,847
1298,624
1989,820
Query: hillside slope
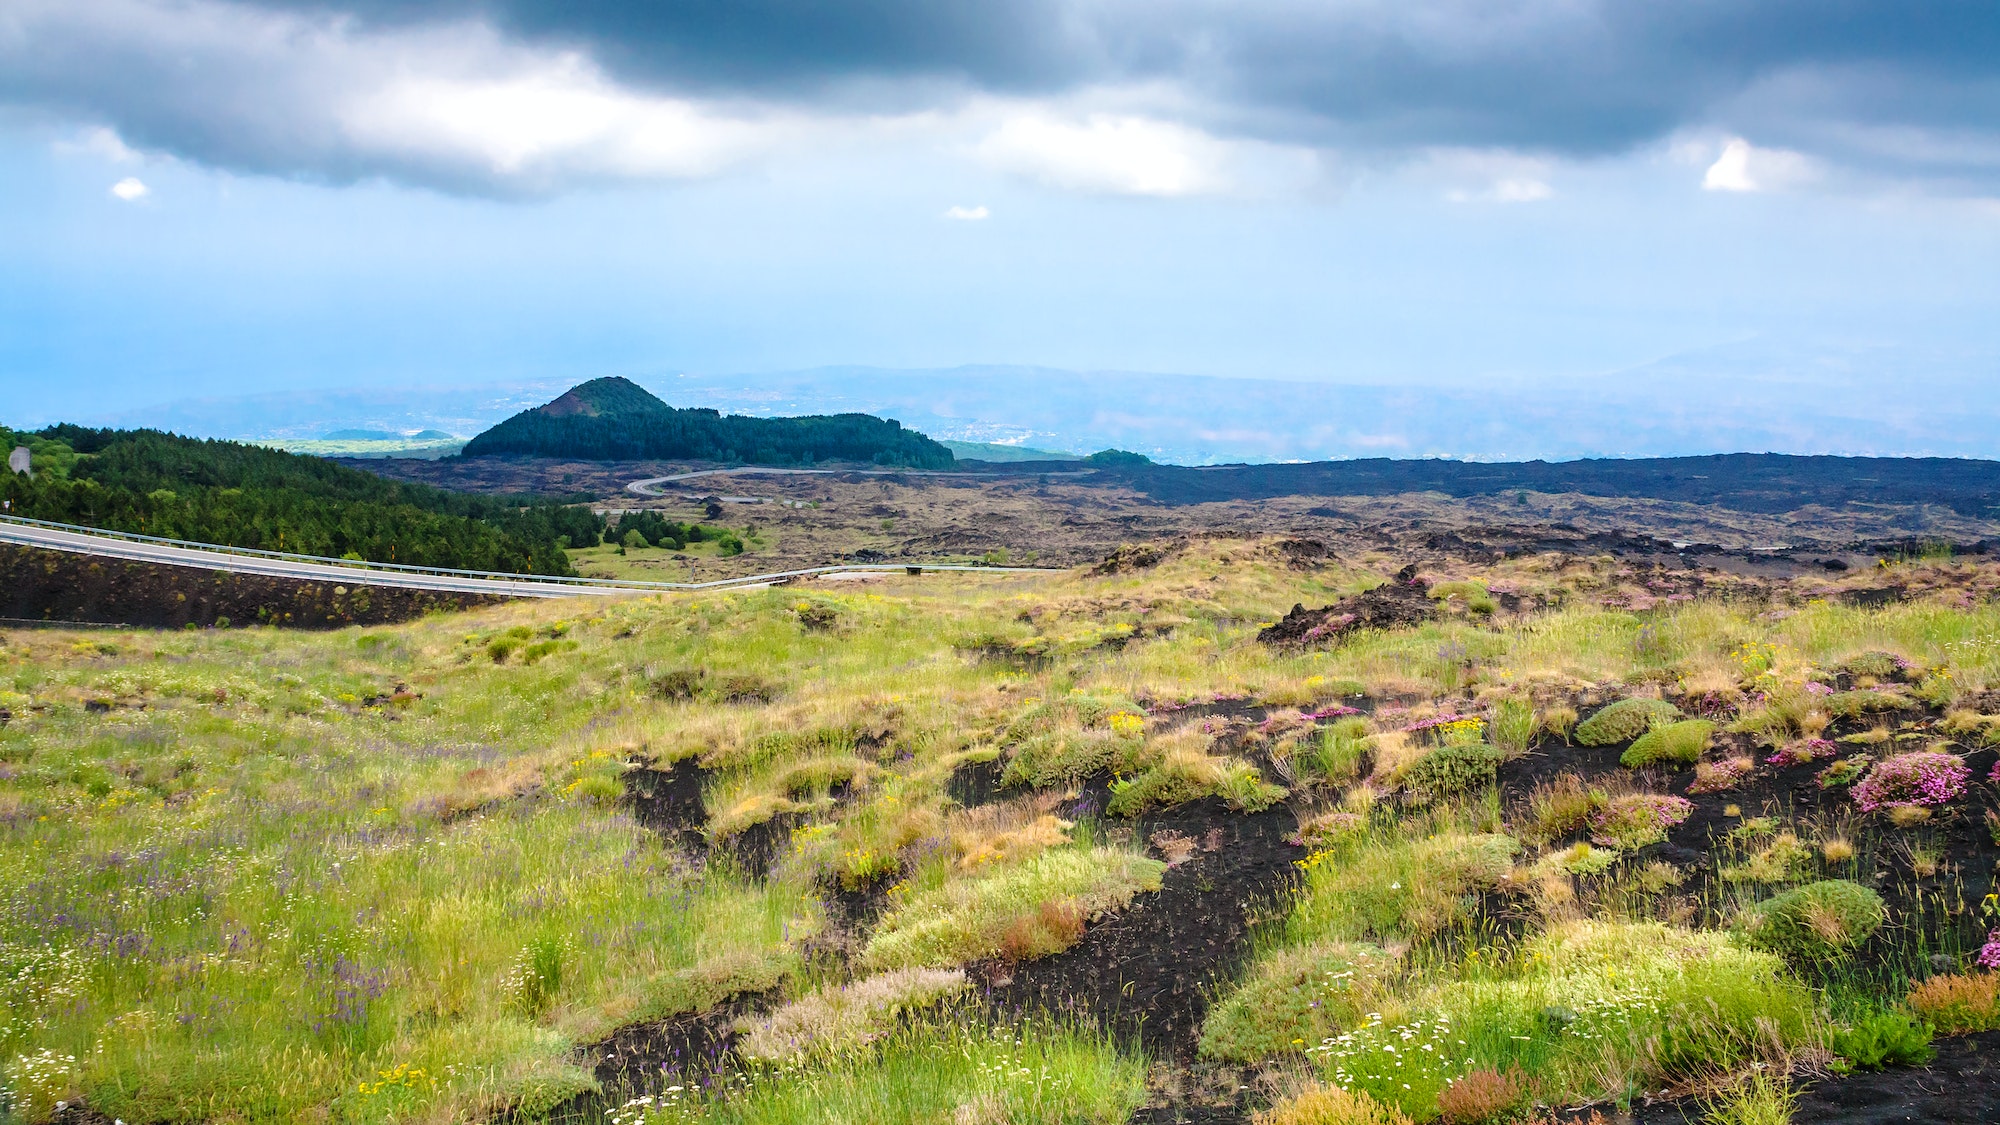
x,y
615,418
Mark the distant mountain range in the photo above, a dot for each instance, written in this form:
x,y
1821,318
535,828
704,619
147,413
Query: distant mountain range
x,y
1749,396
614,419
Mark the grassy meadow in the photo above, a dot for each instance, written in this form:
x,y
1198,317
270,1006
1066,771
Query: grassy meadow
x,y
396,875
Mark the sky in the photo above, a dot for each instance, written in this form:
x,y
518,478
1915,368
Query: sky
x,y
203,198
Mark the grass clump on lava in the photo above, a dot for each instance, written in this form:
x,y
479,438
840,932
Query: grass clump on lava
x,y
1820,921
1624,721
413,874
1675,743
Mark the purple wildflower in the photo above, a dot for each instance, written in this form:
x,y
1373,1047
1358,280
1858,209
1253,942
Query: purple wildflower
x,y
1638,819
1924,777
1989,954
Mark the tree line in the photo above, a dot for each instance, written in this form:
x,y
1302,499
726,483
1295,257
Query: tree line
x,y
154,483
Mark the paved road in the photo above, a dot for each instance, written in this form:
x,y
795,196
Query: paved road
x,y
650,486
310,568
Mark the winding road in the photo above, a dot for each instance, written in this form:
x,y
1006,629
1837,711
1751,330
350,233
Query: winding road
x,y
315,568
650,485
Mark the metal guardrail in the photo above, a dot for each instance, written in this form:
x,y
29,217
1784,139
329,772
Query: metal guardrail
x,y
608,584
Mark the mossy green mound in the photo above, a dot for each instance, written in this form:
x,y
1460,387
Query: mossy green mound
x,y
1821,921
1296,1000
1451,770
1624,721
1677,743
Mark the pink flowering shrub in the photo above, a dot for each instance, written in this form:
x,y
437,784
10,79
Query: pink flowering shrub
x,y
1638,819
1989,954
1925,777
1714,777
1803,751
1329,627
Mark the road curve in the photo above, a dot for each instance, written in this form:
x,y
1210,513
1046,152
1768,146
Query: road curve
x,y
312,568
650,485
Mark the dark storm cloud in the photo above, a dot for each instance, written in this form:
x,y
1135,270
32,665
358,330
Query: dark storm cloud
x,y
1907,89
1557,75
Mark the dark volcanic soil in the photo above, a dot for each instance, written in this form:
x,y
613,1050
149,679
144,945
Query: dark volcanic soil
x,y
42,585
1791,794
1402,601
1147,972
694,1050
668,801
1960,1087
1751,482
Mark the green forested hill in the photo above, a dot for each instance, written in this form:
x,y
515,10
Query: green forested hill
x,y
615,419
241,495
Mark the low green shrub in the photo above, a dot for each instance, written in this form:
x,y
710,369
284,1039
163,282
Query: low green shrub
x,y
1028,910
1340,751
1883,1039
1404,886
1579,858
1875,665
1449,771
1473,594
1755,1099
1184,776
1245,789
1296,999
1514,724
1821,921
1595,1005
937,1071
1852,704
840,1021
1558,808
1625,720
1062,741
1679,744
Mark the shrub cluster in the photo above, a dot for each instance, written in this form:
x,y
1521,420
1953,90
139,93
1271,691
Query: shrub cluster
x,y
1956,1003
1922,777
1638,819
1454,769
1884,1039
1625,720
1820,921
840,1020
1678,744
1296,998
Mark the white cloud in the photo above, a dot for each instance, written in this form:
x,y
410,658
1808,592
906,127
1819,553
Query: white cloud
x,y
130,189
548,118
1499,176
448,105
1745,167
1511,190
1113,154
969,214
99,142
1521,191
